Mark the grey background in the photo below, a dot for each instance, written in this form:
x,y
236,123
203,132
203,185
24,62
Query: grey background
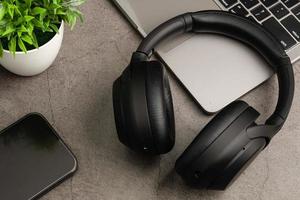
x,y
75,95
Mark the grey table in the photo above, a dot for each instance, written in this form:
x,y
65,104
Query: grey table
x,y
75,95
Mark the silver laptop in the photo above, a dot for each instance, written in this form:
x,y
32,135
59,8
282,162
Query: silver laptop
x,y
214,69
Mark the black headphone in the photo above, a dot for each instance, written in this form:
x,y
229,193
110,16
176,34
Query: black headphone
x,y
231,140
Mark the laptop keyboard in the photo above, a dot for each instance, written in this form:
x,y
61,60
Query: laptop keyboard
x,y
280,17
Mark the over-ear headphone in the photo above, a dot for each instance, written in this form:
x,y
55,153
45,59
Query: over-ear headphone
x,y
231,140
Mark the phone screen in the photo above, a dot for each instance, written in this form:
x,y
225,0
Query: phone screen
x,y
33,159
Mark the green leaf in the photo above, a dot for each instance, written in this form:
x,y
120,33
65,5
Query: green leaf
x,y
38,23
12,44
34,41
28,3
60,12
54,27
38,11
54,6
11,11
19,21
23,29
19,33
17,11
27,39
22,45
77,13
2,11
1,49
28,18
74,3
30,28
9,29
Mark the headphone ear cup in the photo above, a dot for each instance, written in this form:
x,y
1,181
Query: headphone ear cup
x,y
197,162
160,107
130,109
143,108
210,132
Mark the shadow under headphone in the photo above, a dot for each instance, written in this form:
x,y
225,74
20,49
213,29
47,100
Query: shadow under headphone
x,y
143,105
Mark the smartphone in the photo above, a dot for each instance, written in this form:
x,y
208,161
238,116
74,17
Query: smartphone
x,y
33,159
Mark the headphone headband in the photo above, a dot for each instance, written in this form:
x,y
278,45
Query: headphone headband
x,y
241,29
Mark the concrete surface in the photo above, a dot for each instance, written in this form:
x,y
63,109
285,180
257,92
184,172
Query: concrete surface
x,y
75,95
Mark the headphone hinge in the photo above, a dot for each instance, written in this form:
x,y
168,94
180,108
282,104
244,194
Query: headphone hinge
x,y
138,57
188,21
263,131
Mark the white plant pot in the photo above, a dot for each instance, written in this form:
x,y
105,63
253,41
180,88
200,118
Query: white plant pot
x,y
34,61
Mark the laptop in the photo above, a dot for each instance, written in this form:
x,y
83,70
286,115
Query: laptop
x,y
214,69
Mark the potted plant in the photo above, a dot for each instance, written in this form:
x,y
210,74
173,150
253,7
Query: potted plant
x,y
31,32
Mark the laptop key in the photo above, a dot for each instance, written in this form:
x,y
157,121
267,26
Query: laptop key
x,y
279,11
290,3
249,3
296,11
293,26
273,26
268,3
239,10
228,3
260,13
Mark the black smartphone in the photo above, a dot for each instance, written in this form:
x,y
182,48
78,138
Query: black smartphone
x,y
33,159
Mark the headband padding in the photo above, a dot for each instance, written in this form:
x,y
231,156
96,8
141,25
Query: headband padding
x,y
241,29
223,23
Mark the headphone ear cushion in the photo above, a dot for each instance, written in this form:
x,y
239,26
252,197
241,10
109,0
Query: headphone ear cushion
x,y
119,88
209,134
160,107
131,111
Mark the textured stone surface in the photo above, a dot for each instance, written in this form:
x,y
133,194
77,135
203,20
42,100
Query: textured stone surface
x,y
75,95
